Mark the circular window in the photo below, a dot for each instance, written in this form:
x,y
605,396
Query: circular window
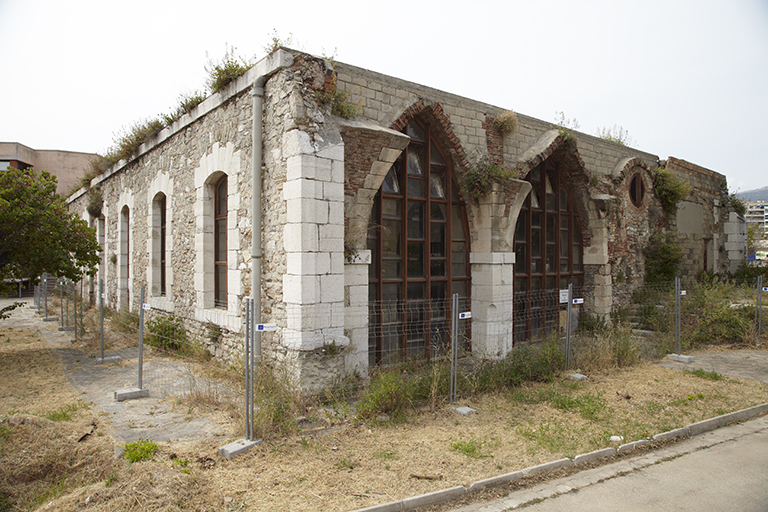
x,y
637,190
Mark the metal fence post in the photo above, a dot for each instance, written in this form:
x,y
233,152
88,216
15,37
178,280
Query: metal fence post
x,y
568,328
677,316
759,309
247,369
101,315
255,344
141,337
74,305
454,343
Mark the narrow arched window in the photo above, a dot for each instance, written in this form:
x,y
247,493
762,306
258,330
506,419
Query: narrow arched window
x,y
162,246
637,190
125,257
220,242
420,252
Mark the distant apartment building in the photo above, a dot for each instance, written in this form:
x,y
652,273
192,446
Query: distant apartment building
x,y
757,214
68,166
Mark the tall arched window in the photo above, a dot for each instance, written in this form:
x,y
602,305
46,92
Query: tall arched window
x,y
124,271
220,242
548,249
420,253
159,244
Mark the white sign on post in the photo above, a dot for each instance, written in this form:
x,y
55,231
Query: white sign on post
x,y
464,316
563,296
682,293
266,327
765,288
146,307
578,301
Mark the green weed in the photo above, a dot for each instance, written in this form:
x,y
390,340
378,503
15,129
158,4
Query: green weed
x,y
140,450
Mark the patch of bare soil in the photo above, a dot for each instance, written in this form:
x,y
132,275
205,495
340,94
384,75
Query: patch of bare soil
x,y
353,465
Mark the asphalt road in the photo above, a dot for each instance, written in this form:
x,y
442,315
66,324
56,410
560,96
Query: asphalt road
x,y
722,470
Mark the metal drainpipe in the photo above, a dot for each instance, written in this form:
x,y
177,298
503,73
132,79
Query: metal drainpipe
x,y
258,94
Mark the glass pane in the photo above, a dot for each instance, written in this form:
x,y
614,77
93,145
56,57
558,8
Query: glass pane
x,y
439,299
536,266
415,187
390,269
221,197
416,292
221,240
415,259
221,282
536,243
459,287
437,239
437,268
391,208
551,231
520,259
577,258
550,258
550,196
390,238
390,307
459,259
563,199
437,184
415,131
457,224
551,283
434,155
437,211
416,161
521,229
536,174
563,244
536,220
415,219
564,221
391,183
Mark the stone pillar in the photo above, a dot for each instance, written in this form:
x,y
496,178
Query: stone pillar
x,y
313,239
597,255
356,311
492,303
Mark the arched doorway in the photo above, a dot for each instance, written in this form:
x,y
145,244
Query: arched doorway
x,y
419,244
548,248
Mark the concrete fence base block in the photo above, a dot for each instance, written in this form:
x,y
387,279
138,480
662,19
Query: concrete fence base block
x,y
238,447
680,358
496,481
593,456
548,466
672,434
109,359
51,319
628,447
131,394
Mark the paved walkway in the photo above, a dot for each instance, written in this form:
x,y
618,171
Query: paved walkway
x,y
157,417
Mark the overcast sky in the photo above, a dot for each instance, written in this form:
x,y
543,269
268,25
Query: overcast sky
x,y
685,78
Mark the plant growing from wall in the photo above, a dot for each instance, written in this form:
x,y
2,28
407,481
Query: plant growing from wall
x,y
669,189
662,259
95,202
566,127
506,122
187,102
225,71
338,101
617,135
478,181
127,144
738,205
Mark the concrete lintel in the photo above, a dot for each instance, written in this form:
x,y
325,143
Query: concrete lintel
x,y
131,394
237,447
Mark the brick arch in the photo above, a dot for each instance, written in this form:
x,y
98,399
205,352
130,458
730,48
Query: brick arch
x,y
433,113
625,168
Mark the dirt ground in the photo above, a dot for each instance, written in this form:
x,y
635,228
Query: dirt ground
x,y
57,450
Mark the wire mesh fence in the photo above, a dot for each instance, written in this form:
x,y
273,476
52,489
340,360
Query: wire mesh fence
x,y
430,351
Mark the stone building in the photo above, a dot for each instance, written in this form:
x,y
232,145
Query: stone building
x,y
367,225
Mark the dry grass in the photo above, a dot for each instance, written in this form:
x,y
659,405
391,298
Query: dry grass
x,y
353,465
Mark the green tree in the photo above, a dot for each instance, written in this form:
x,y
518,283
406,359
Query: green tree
x,y
37,232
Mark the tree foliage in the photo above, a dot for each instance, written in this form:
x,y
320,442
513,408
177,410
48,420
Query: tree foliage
x,y
37,232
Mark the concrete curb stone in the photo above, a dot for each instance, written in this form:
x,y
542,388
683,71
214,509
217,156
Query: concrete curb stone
x,y
593,456
671,434
548,466
496,481
628,447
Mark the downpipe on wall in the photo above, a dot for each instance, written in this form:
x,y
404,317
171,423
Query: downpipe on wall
x,y
258,96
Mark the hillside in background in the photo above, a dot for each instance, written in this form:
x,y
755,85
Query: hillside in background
x,y
759,194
